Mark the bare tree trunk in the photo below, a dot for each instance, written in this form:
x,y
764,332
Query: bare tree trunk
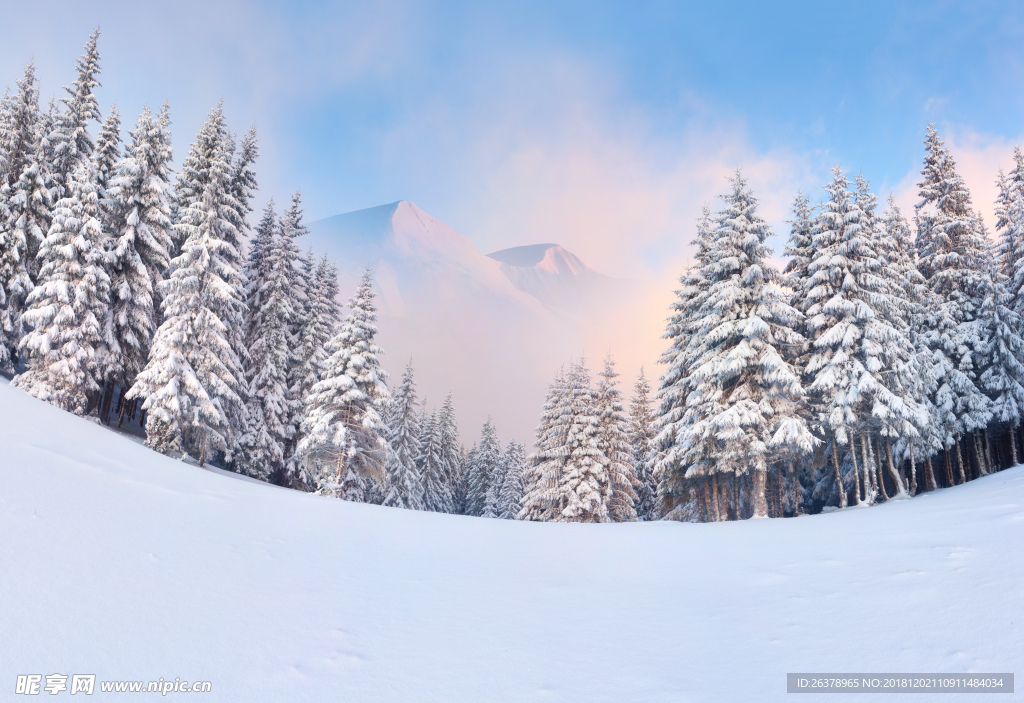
x,y
913,470
796,490
714,498
760,503
869,484
781,511
839,476
930,474
877,463
737,512
901,488
856,470
202,450
979,452
949,468
1013,447
960,463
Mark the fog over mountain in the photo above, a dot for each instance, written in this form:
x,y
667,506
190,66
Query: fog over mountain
x,y
494,328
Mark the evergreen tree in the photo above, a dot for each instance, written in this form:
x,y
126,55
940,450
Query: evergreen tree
x,y
270,312
481,471
745,395
641,436
513,486
613,441
542,472
24,210
193,382
404,488
71,145
430,466
67,308
342,427
108,153
139,212
800,250
952,255
452,458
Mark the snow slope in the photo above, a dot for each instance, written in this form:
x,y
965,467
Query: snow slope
x,y
126,564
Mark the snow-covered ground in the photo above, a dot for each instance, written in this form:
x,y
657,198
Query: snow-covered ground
x,y
120,562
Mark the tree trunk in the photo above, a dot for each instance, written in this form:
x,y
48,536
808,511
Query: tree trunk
x,y
760,504
839,476
869,484
929,474
856,470
714,498
202,451
737,505
901,488
913,470
979,452
876,459
960,463
1013,448
796,490
949,469
781,511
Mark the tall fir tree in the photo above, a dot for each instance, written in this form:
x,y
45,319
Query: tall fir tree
x,y
71,145
542,472
343,432
404,487
613,441
430,466
452,459
193,382
107,154
25,211
641,436
481,471
67,309
513,486
138,193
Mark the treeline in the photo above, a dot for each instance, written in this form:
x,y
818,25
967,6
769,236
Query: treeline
x,y
125,287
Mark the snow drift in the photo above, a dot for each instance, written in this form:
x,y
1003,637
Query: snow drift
x,y
123,563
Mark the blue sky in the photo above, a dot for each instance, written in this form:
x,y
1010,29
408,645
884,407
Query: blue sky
x,y
601,126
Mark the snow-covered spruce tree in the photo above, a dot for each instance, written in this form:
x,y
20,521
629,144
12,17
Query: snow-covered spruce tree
x,y
641,435
243,182
481,471
138,193
745,395
25,206
403,487
513,485
70,143
192,382
673,487
584,487
613,441
1010,229
800,250
452,454
67,308
951,255
342,428
430,467
858,339
270,406
542,473
108,153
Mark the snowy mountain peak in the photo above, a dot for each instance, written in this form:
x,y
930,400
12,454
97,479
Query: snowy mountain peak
x,y
551,258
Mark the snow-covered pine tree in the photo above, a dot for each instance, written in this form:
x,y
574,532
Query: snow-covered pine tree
x,y
857,337
584,487
542,472
745,395
108,153
613,441
800,250
243,182
25,213
452,455
139,211
193,380
675,384
430,467
270,312
481,471
70,142
68,306
513,485
342,427
641,436
951,251
404,487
